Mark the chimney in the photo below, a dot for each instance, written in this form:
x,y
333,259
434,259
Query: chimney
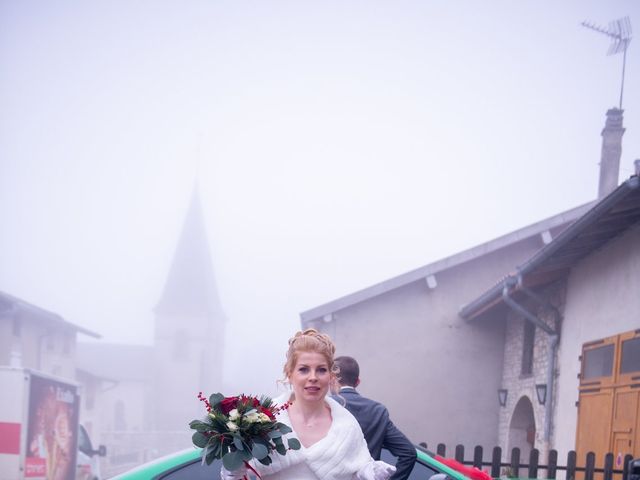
x,y
636,164
611,152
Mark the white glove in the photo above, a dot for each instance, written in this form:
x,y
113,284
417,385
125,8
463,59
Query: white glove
x,y
377,470
238,474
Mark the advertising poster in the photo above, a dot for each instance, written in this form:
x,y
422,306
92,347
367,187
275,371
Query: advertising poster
x,y
53,430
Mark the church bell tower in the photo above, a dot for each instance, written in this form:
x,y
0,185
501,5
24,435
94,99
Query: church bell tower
x,y
189,329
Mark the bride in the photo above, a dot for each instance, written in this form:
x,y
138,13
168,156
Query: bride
x,y
333,446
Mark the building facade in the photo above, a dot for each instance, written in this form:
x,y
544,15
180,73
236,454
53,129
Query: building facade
x,y
147,394
32,337
492,347
412,344
572,352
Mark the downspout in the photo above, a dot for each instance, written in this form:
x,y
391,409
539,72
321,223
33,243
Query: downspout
x,y
551,351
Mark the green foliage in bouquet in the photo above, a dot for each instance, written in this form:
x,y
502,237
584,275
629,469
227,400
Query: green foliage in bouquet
x,y
238,429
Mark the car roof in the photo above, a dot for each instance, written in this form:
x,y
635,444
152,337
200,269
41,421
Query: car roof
x,y
160,465
428,457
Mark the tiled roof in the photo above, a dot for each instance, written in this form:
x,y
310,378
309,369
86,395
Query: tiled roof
x,y
606,220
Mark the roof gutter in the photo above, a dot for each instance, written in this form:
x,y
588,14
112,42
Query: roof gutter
x,y
524,312
474,307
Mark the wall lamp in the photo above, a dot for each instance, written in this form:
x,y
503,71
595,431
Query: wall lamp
x,y
541,392
502,397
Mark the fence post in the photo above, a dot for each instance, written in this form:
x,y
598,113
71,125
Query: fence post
x,y
533,463
590,466
571,465
608,466
441,450
496,460
625,468
460,453
515,462
552,464
477,457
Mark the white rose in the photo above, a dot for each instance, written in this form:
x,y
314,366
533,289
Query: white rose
x,y
264,418
233,414
252,417
232,426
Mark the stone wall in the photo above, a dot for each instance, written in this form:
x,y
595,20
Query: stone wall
x,y
523,386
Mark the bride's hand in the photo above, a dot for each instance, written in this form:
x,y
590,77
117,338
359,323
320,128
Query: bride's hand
x,y
377,470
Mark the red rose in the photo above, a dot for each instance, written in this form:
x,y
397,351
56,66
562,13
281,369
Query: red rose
x,y
228,404
268,413
249,401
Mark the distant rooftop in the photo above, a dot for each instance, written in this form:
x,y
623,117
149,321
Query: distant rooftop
x,y
13,306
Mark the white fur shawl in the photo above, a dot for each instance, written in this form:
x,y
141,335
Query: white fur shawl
x,y
341,455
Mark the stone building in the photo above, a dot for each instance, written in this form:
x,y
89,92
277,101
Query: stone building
x,y
35,338
135,399
572,347
439,366
147,394
189,330
413,347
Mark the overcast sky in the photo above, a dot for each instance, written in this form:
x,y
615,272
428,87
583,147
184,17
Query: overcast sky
x,y
336,144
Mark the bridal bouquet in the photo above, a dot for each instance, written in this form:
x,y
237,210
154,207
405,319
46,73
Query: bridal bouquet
x,y
238,429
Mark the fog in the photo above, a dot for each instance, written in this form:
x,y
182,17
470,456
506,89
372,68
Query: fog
x,y
333,145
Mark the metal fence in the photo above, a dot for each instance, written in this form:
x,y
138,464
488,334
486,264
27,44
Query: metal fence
x,y
514,467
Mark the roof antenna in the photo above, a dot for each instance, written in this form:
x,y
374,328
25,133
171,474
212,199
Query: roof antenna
x,y
620,33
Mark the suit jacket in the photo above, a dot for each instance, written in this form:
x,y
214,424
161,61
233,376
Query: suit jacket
x,y
379,431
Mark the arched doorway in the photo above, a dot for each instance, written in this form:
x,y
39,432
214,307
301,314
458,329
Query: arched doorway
x,y
522,429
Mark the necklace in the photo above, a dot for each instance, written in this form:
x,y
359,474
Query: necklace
x,y
307,423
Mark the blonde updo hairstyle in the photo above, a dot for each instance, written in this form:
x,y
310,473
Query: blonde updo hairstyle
x,y
309,340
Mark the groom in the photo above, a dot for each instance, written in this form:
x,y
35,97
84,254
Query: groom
x,y
373,417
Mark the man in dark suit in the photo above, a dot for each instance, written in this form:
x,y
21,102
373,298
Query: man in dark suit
x,y
373,417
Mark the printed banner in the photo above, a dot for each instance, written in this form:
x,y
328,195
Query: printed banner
x,y
52,436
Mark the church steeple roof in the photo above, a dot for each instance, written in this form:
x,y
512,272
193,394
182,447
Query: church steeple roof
x,y
190,289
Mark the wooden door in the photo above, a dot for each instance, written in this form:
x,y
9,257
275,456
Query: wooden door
x,y
625,422
609,398
594,423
